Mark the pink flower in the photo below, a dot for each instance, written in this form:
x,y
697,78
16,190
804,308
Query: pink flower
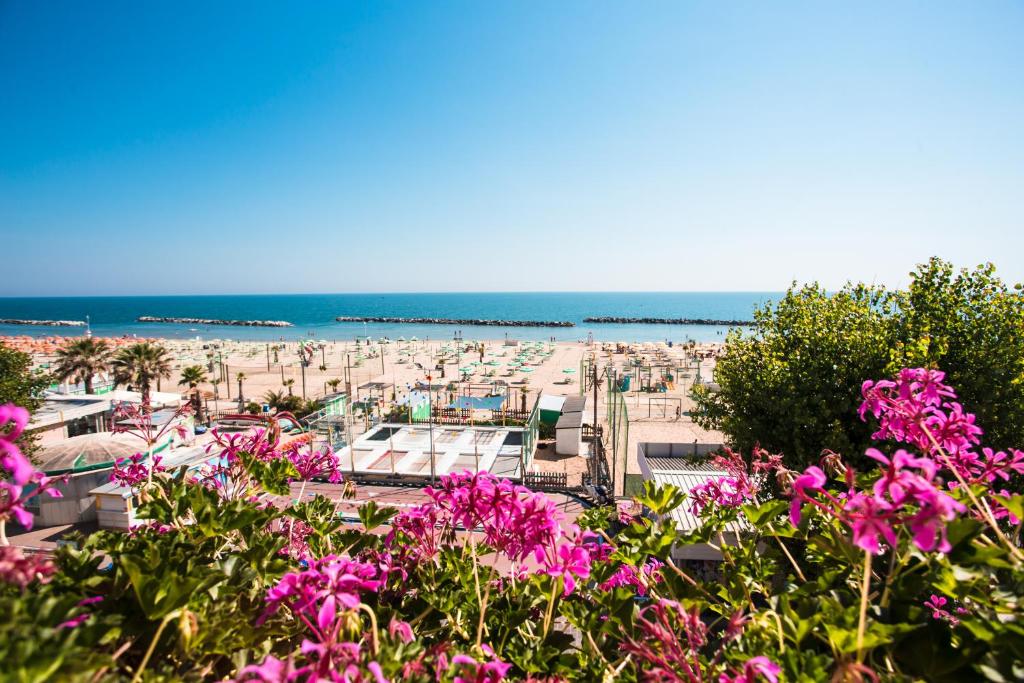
x,y
869,518
898,482
754,669
312,464
937,605
13,493
667,644
469,670
627,575
928,524
317,594
14,419
400,630
813,479
571,561
19,569
131,472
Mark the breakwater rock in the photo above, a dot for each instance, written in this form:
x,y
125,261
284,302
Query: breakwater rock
x,y
668,321
43,323
207,321
454,321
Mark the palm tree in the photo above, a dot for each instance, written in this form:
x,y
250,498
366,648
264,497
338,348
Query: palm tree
x,y
139,365
193,376
274,399
333,383
81,359
289,383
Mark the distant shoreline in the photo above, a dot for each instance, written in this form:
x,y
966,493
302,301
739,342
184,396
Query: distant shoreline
x,y
211,321
468,322
42,323
612,320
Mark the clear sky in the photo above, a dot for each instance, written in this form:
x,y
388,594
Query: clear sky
x,y
182,147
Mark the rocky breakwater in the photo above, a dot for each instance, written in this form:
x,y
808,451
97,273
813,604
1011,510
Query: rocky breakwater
x,y
454,321
43,323
209,321
668,321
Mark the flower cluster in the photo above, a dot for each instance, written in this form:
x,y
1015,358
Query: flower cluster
x,y
322,597
25,481
918,409
754,669
739,486
907,494
136,419
337,663
466,669
658,647
638,579
312,464
133,471
316,594
513,520
19,569
937,604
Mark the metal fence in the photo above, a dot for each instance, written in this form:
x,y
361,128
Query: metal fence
x,y
617,436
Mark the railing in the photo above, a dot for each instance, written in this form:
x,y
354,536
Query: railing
x,y
546,481
462,416
589,431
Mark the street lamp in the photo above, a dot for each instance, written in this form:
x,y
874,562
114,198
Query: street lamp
x,y
430,424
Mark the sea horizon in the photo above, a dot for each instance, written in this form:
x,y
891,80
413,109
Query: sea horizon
x,y
313,315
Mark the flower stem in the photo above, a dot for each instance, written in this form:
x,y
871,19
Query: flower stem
x,y
152,646
556,584
862,621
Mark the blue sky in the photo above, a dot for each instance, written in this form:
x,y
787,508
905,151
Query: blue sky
x,y
184,147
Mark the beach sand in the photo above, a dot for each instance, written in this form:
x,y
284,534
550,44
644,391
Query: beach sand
x,y
398,365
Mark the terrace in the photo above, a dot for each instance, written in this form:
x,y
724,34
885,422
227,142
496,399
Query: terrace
x,y
418,452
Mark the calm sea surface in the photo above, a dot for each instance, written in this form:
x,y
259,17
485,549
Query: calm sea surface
x,y
313,314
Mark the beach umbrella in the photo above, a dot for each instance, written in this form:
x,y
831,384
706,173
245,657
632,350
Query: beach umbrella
x,y
467,370
569,371
525,369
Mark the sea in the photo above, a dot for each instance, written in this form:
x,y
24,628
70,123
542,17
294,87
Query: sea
x,y
313,315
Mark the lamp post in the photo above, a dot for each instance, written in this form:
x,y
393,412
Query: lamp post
x,y
430,425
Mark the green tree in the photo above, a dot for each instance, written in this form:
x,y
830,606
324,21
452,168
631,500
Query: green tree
x,y
20,385
139,365
274,399
971,325
289,383
81,359
793,384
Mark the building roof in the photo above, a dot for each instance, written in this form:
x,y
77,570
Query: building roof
x,y
90,452
570,421
60,409
551,402
686,475
574,404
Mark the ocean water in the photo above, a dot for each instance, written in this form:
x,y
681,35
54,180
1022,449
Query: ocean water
x,y
313,314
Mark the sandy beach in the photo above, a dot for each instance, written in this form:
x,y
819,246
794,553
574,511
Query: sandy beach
x,y
393,368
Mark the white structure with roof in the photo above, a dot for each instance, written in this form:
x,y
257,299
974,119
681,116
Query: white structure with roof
x,y
405,450
677,464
